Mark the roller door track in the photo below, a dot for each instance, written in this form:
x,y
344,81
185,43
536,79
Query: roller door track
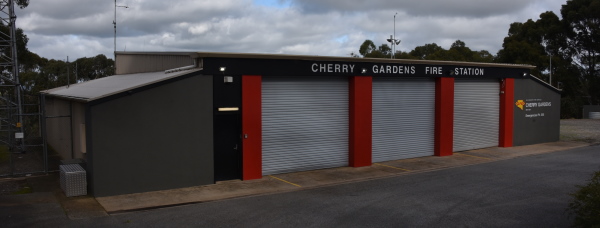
x,y
305,123
403,118
476,114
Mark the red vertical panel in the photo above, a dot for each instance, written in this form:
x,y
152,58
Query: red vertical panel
x,y
360,120
507,97
444,116
251,127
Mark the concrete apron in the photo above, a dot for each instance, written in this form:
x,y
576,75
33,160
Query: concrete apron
x,y
320,178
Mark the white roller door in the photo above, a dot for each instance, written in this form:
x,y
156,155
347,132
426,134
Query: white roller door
x,y
476,113
403,118
304,123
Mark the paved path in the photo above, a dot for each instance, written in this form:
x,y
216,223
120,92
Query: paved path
x,y
527,191
319,178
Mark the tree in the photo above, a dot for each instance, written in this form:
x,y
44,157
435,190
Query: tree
x,y
572,44
523,45
367,47
404,55
22,3
458,52
534,43
483,56
384,51
37,73
581,20
92,68
369,50
423,52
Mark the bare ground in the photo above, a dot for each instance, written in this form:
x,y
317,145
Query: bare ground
x,y
584,130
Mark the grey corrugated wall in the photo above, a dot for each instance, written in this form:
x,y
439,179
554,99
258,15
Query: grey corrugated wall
x,y
305,123
476,113
403,118
142,63
155,139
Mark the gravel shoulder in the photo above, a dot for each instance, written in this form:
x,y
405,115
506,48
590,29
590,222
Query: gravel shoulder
x,y
583,130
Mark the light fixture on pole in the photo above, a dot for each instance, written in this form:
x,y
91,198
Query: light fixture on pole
x,y
115,25
392,41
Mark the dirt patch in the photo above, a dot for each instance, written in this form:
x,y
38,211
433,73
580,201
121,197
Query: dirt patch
x,y
584,130
10,187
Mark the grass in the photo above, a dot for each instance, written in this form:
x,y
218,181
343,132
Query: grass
x,y
23,190
4,154
585,204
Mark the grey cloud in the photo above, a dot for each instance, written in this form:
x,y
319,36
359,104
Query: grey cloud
x,y
464,8
84,27
90,18
66,9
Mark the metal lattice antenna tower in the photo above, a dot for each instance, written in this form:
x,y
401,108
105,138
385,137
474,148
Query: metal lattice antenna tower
x,y
11,117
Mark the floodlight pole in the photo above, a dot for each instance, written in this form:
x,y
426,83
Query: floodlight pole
x,y
550,68
394,44
115,26
391,40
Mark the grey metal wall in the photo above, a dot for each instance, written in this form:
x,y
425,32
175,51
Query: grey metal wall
x,y
539,120
403,118
130,63
476,113
155,139
304,123
58,132
590,108
78,119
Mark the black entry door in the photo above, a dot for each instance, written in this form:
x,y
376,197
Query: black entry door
x,y
227,127
227,147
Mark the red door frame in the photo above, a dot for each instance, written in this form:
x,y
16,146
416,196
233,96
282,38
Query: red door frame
x,y
360,115
251,127
507,97
444,116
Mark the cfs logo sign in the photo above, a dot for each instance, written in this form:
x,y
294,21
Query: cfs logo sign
x,y
520,104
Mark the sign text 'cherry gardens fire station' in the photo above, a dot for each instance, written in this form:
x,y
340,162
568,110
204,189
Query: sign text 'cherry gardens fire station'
x,y
394,69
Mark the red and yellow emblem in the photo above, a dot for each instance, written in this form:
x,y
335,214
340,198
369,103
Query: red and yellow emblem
x,y
520,104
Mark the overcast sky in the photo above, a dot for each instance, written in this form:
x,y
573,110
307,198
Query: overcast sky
x,y
83,28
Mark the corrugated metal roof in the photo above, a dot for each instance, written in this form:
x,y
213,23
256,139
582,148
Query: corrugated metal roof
x,y
103,87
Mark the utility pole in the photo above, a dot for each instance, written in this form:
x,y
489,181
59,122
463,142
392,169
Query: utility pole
x,y
115,26
394,46
393,40
68,73
550,68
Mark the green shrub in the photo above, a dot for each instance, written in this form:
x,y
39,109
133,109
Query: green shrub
x,y
585,205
